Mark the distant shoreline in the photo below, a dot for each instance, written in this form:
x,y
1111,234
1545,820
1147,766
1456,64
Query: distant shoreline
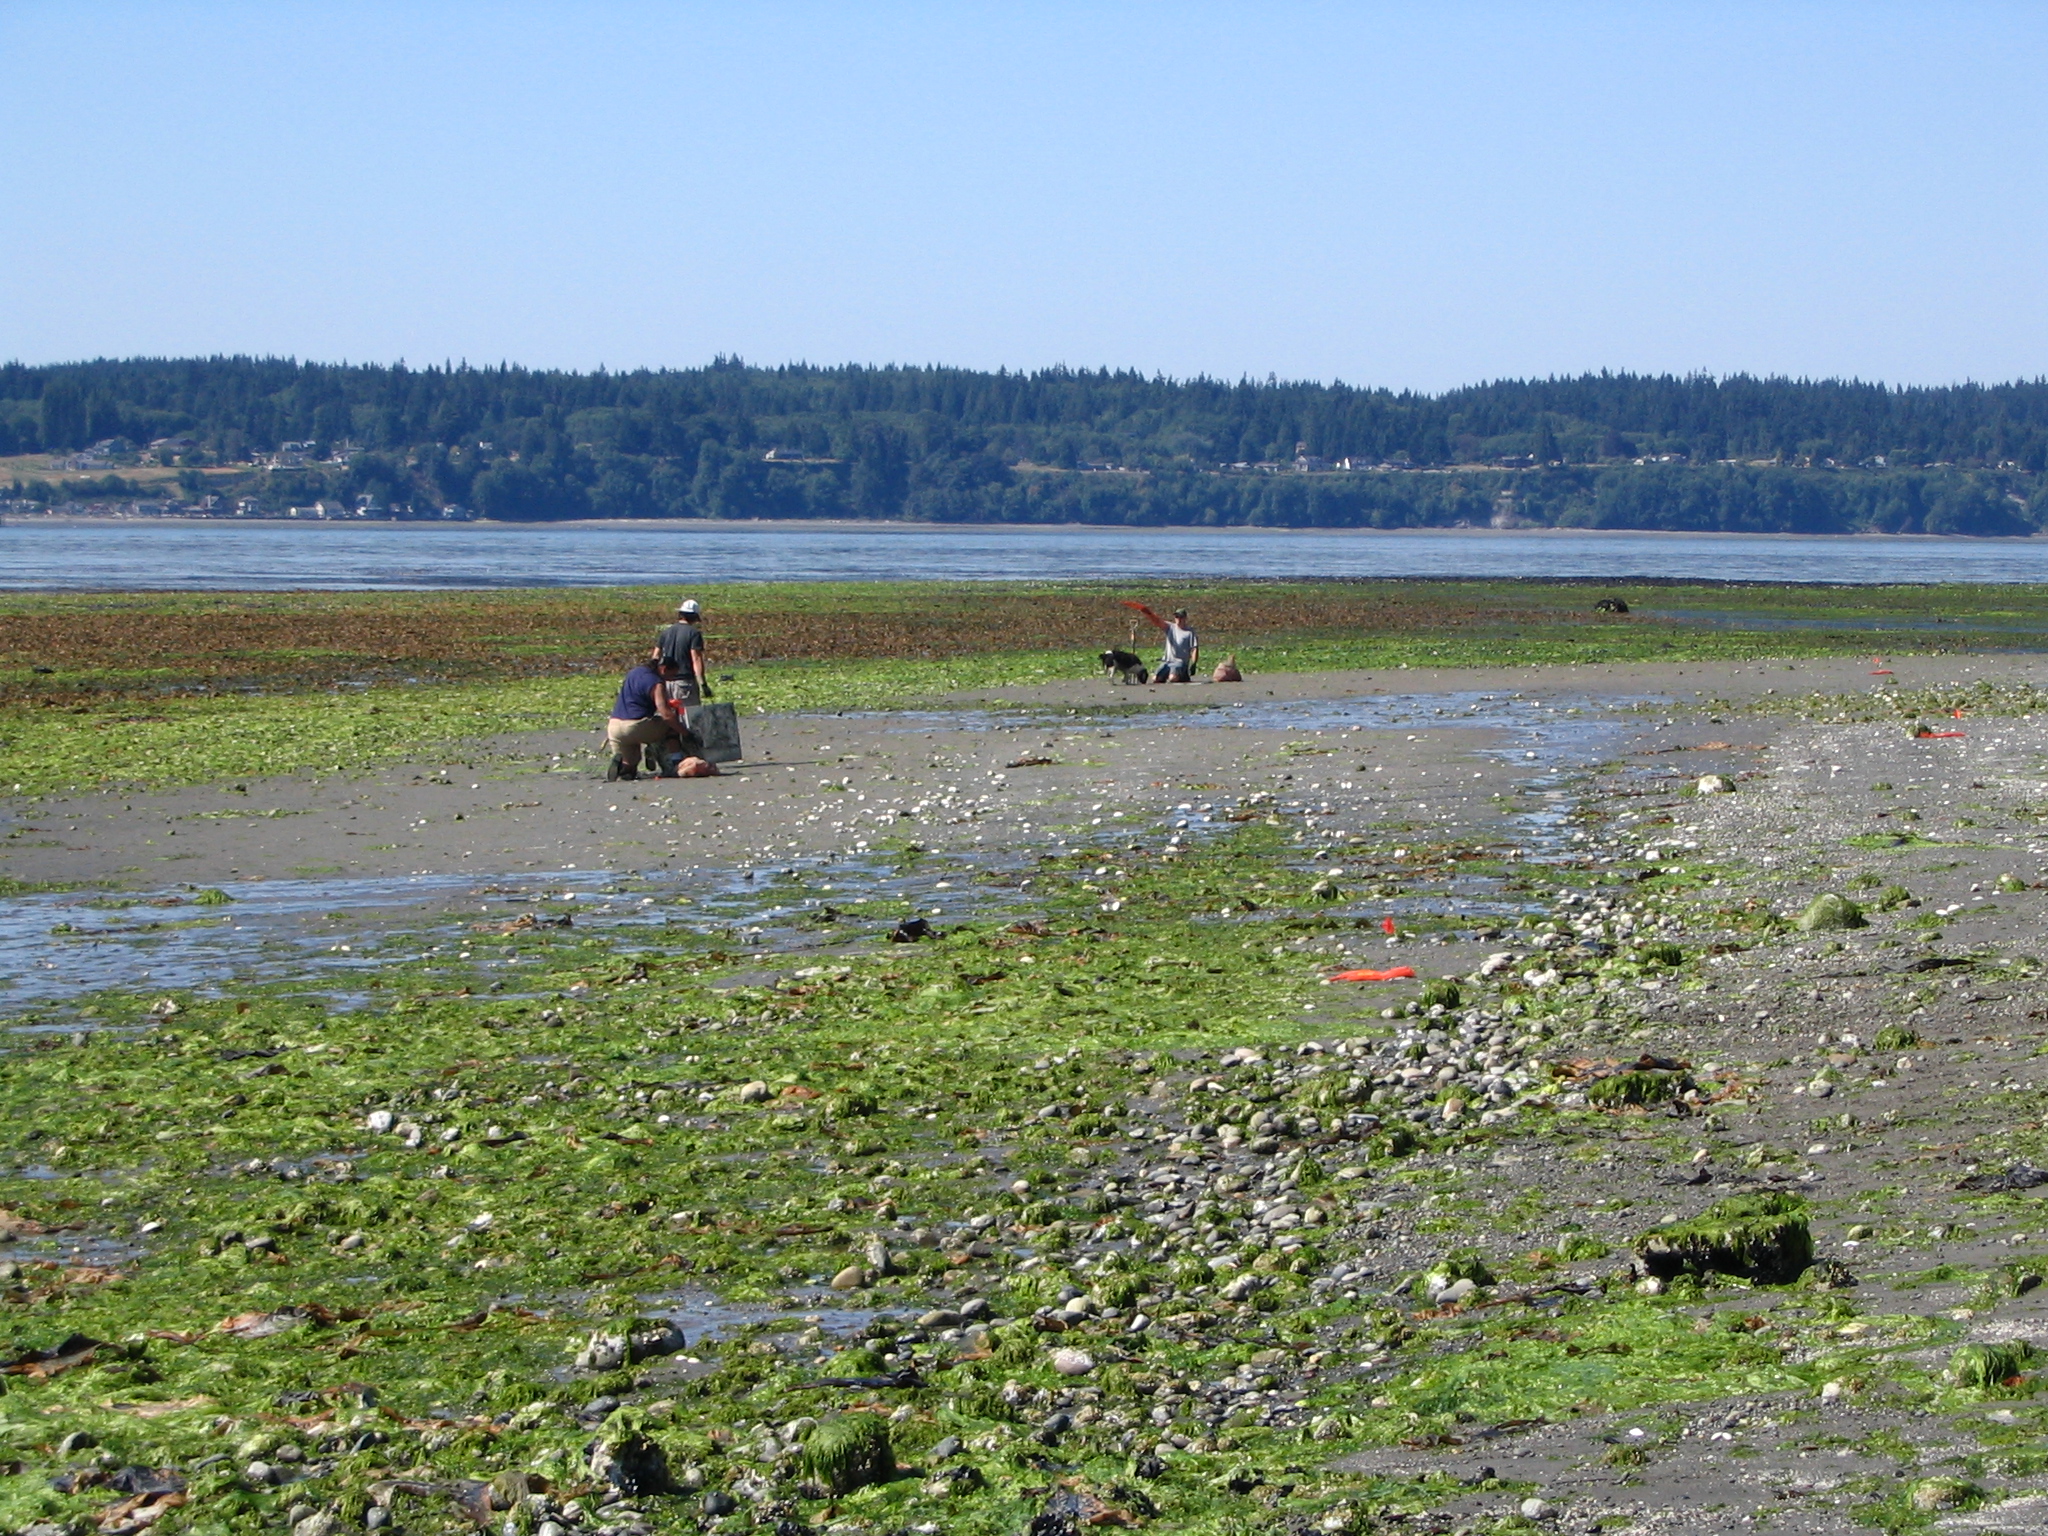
x,y
904,527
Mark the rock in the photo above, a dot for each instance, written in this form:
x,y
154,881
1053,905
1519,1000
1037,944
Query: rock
x,y
78,1440
849,1451
379,1121
1535,1509
1984,1367
1326,890
1462,1264
756,1092
718,1503
1933,1493
851,1278
875,1253
1227,671
1829,912
259,1474
939,1317
1759,1237
1072,1362
321,1523
602,1352
1830,1390
631,1463
1243,1286
1715,784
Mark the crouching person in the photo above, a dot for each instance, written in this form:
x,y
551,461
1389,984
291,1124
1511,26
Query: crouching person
x,y
645,720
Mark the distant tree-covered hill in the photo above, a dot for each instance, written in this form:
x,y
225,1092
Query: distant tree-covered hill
x,y
949,444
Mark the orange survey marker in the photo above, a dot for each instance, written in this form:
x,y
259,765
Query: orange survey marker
x,y
1388,924
1398,973
1882,669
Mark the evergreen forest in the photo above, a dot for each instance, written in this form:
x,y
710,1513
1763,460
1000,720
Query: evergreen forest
x,y
732,440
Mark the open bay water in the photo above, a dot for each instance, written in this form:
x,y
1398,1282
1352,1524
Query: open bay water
x,y
148,554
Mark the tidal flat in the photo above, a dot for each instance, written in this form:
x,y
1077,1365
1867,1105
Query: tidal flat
x,y
950,1121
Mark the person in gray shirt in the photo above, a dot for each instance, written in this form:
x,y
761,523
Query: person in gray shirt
x,y
681,645
1182,654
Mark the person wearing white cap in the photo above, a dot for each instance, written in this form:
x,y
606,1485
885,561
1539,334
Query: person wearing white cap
x,y
681,645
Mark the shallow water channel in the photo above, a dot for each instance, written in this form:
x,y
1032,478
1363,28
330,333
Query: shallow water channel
x,y
330,935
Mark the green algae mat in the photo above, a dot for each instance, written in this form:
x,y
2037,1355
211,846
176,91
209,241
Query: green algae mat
x,y
1066,1218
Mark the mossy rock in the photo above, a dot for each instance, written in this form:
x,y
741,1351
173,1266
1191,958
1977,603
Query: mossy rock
x,y
1758,1237
858,1361
1661,953
1830,912
1892,897
1639,1086
2010,884
1118,1290
1395,1141
851,1106
850,1451
1990,1367
1444,993
1896,1037
1578,1247
1458,1264
1932,1493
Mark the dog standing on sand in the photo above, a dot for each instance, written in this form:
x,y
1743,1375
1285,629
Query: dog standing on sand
x,y
1123,666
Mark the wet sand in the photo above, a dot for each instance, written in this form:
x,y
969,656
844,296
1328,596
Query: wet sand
x,y
941,777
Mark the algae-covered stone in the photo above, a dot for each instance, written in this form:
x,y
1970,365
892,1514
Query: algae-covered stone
x,y
1464,1266
1828,913
1892,897
1932,1493
849,1451
631,1462
1896,1037
1661,953
1714,784
1578,1247
1759,1237
1986,1367
1638,1086
2010,884
1441,993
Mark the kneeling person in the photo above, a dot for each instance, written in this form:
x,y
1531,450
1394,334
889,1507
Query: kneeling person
x,y
643,717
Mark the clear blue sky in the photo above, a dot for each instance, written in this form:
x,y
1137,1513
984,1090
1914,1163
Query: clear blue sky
x,y
1414,196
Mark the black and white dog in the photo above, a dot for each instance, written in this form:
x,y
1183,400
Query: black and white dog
x,y
1123,665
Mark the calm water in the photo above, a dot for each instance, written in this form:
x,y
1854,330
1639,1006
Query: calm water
x,y
142,554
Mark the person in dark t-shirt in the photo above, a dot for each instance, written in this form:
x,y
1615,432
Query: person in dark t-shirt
x,y
681,645
643,717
